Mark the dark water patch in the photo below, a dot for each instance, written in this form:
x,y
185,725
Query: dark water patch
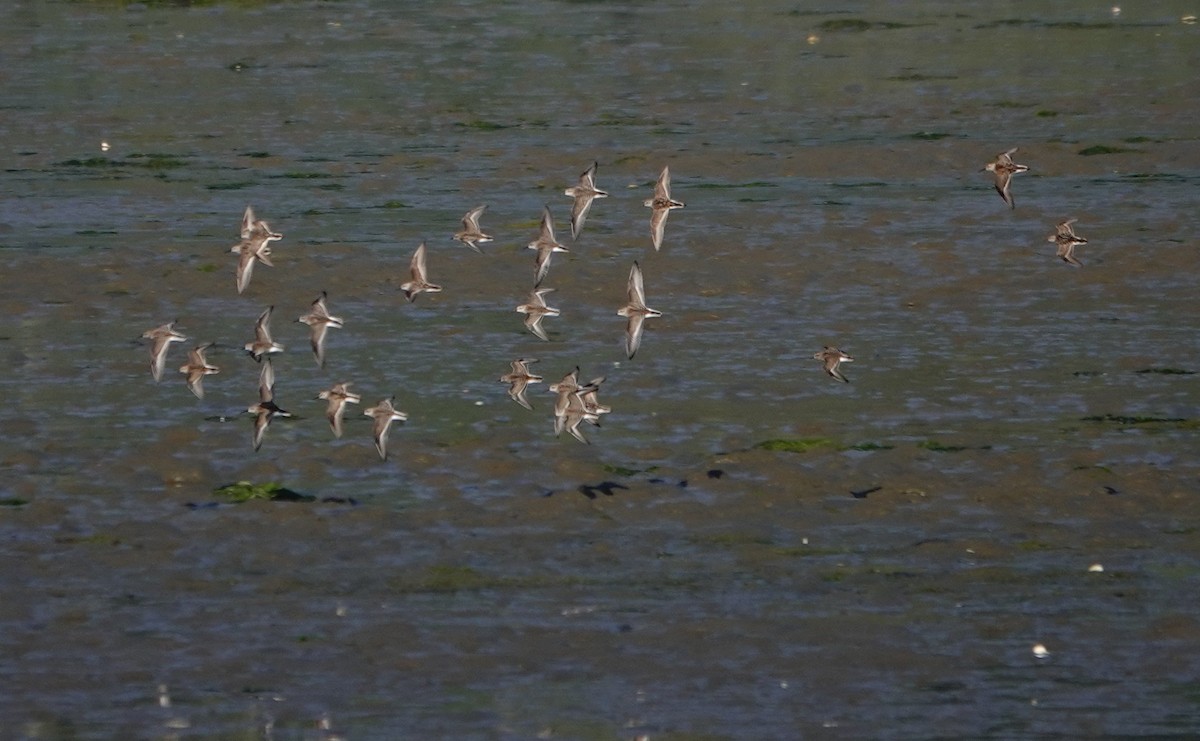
x,y
626,119
725,186
1046,114
731,540
296,175
858,25
1136,420
865,184
869,446
604,488
1094,150
13,502
939,447
1155,177
145,161
929,136
1063,25
246,491
480,124
799,445
231,186
1167,371
93,539
625,471
919,77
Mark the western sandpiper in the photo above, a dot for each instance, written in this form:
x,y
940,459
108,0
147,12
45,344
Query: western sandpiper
x,y
471,235
573,407
263,344
591,404
255,246
832,358
163,337
420,277
384,414
536,310
196,368
519,378
546,245
266,409
319,320
338,397
1003,169
1067,240
583,193
661,205
636,310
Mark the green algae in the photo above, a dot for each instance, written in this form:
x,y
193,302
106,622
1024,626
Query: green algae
x,y
271,491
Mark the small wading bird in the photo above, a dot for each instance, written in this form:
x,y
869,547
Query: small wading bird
x,y
583,193
635,310
536,310
518,379
546,245
1067,240
196,368
263,344
1003,169
576,404
319,321
265,410
471,235
337,397
255,246
163,337
832,357
384,413
420,278
661,205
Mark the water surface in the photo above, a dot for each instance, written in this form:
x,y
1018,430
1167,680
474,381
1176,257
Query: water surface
x,y
1010,422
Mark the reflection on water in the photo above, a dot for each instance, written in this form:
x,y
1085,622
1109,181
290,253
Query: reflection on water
x,y
1009,420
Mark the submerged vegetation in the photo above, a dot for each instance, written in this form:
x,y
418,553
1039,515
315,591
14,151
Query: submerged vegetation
x,y
246,491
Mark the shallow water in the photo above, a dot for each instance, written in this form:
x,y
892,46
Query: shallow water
x,y
1010,420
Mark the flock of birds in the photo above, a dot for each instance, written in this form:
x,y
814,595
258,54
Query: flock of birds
x,y
575,403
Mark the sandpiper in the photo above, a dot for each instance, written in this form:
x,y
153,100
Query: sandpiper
x,y
591,404
661,205
163,337
546,245
583,193
576,404
196,368
471,235
338,397
1067,240
1004,168
319,320
536,310
832,358
636,310
266,409
420,278
384,414
255,246
263,344
519,378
